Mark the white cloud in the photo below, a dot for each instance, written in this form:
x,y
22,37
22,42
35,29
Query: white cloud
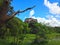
x,y
51,21
31,13
53,7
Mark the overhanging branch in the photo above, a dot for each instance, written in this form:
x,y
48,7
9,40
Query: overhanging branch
x,y
15,13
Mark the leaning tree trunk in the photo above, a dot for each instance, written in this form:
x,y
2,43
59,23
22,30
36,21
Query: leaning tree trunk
x,y
4,17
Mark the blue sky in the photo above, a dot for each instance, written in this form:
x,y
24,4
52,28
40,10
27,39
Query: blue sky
x,y
45,10
40,9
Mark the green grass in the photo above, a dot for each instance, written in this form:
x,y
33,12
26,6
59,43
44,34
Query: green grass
x,y
29,38
53,39
52,35
53,42
3,42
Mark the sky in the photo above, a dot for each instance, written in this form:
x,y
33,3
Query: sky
x,y
46,11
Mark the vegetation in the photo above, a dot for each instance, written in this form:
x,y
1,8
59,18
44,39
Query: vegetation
x,y
17,32
14,31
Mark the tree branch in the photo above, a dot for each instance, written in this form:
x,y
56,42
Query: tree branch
x,y
15,13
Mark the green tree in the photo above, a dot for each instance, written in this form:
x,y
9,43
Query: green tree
x,y
57,29
40,31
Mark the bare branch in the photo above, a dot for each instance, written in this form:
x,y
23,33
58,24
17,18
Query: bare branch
x,y
19,12
26,9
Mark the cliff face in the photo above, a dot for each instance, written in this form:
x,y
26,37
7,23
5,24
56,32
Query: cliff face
x,y
29,20
31,24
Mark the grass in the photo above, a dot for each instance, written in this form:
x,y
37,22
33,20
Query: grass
x,y
53,39
29,38
3,42
53,42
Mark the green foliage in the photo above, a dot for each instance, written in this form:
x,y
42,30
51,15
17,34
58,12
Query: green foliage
x,y
1,1
57,29
53,39
17,32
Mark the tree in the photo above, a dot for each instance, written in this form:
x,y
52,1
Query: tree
x,y
7,12
40,33
8,24
57,29
39,30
